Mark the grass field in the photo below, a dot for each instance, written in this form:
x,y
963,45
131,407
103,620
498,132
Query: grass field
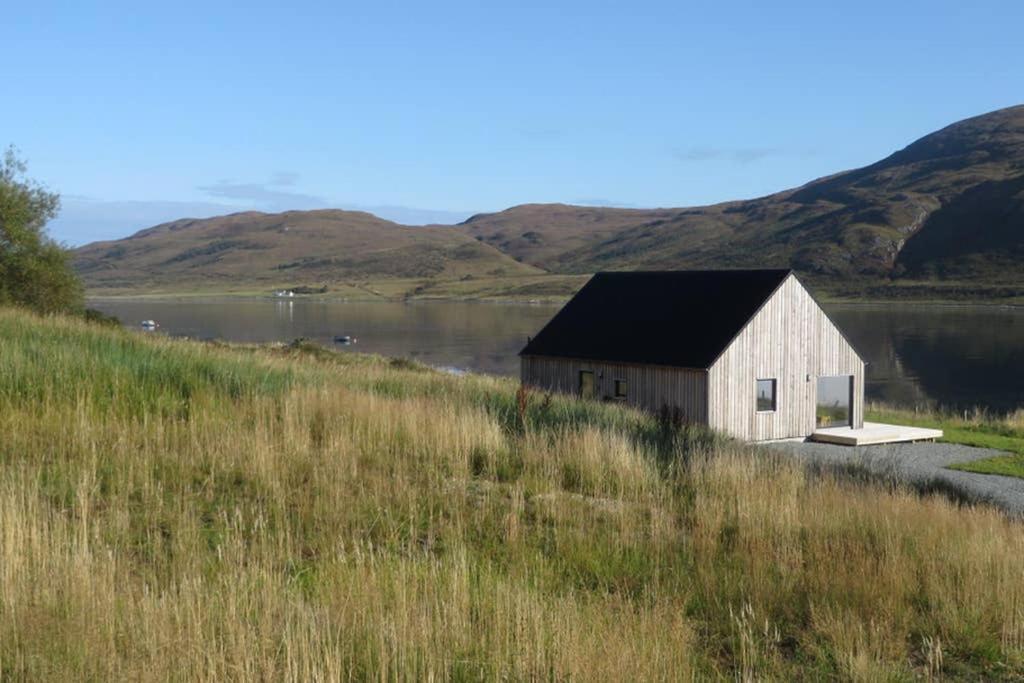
x,y
973,429
174,510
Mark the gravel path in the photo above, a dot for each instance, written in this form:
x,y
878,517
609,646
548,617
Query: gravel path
x,y
922,465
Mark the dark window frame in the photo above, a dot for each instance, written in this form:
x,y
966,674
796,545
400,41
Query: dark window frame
x,y
625,389
774,395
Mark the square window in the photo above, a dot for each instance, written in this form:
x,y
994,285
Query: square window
x,y
620,388
766,395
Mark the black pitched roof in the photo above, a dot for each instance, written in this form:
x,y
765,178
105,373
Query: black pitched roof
x,y
683,318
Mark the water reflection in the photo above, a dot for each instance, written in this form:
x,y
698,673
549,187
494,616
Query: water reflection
x,y
957,357
286,309
481,337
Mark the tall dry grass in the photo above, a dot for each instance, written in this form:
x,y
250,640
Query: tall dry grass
x,y
175,511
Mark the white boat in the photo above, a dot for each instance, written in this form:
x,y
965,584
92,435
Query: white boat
x,y
150,324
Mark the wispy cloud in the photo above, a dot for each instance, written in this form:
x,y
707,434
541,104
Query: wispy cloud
x,y
607,203
84,219
276,195
737,155
284,178
410,215
270,192
87,219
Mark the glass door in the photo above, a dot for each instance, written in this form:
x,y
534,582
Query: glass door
x,y
835,401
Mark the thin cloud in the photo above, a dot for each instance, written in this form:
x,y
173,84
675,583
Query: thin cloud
x,y
284,179
85,219
274,195
264,193
605,203
410,215
736,155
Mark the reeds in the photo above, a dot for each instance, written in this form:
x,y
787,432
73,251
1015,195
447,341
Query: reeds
x,y
177,511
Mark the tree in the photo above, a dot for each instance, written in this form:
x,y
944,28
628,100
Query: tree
x,y
35,270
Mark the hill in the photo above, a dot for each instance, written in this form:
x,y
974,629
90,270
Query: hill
x,y
287,249
547,235
949,207
942,218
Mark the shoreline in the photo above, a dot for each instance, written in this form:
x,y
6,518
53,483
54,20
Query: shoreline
x,y
535,301
224,298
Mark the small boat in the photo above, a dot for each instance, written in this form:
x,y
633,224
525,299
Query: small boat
x,y
150,324
344,339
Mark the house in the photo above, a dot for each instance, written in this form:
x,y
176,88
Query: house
x,y
746,352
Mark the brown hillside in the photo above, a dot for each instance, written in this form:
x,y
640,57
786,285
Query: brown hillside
x,y
548,234
947,205
299,247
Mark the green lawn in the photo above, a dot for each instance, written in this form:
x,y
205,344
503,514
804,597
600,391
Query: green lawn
x,y
980,431
1006,465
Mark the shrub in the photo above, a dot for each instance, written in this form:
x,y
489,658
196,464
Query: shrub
x,y
35,271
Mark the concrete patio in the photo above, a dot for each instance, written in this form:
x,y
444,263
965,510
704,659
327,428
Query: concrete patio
x,y
874,433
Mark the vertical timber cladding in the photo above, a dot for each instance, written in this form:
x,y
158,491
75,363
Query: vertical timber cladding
x,y
792,341
649,386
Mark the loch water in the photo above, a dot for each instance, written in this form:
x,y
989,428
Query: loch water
x,y
956,357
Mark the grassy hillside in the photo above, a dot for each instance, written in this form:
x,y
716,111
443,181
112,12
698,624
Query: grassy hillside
x,y
296,248
944,216
186,511
547,235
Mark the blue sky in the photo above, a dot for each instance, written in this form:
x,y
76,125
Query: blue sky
x,y
144,112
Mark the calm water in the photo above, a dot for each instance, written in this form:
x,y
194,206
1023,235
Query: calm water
x,y
954,356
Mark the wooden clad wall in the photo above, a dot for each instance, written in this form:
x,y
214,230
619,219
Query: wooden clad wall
x,y
649,386
787,340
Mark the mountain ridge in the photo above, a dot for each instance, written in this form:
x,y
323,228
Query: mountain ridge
x,y
947,208
854,222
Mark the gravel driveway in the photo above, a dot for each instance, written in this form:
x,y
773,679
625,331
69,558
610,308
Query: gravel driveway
x,y
921,465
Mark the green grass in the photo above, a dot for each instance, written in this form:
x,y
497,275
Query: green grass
x,y
979,291
123,373
1005,465
975,429
174,510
